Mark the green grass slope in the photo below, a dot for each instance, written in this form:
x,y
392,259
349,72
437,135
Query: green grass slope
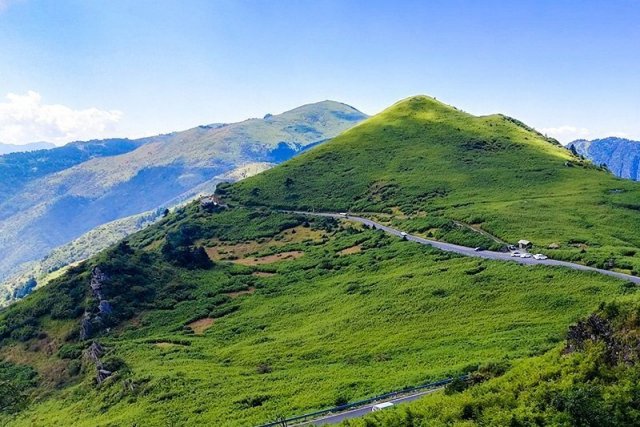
x,y
307,333
591,380
239,316
430,164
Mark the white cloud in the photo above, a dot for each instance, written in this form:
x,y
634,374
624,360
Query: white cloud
x,y
566,134
24,118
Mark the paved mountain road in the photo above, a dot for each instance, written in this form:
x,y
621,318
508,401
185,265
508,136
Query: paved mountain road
x,y
364,410
463,250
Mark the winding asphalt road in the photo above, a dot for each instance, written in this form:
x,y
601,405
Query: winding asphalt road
x,y
363,410
463,250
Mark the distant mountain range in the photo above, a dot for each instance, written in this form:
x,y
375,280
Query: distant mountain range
x,y
621,156
13,148
49,198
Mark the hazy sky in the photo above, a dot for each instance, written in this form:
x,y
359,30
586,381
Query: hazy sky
x,y
77,69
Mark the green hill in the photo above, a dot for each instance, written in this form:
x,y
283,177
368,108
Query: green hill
x,y
238,316
430,164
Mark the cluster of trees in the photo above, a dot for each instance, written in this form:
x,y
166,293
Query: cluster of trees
x,y
178,248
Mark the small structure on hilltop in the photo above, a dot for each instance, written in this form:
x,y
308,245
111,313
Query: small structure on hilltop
x,y
212,202
524,244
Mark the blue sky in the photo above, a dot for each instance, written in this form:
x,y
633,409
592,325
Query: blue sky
x,y
89,68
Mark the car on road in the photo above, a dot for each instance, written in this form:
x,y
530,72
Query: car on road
x,y
515,254
525,255
403,234
381,406
479,249
344,214
540,256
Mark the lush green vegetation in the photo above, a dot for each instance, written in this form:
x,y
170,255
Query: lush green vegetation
x,y
591,380
238,316
342,322
432,164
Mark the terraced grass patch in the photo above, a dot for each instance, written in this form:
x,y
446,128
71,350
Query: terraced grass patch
x,y
270,259
355,249
200,326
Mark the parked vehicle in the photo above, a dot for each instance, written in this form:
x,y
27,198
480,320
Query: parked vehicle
x,y
381,406
540,256
511,248
525,256
515,254
403,234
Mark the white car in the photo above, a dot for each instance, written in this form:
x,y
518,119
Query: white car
x,y
540,256
381,406
515,254
403,234
525,256
344,214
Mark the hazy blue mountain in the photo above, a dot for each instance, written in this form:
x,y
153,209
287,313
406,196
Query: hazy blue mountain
x,y
621,156
66,192
13,148
19,169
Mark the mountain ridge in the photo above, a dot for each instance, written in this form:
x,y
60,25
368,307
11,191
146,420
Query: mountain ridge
x,y
18,148
620,155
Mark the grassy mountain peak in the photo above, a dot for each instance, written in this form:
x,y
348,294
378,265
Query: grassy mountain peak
x,y
423,163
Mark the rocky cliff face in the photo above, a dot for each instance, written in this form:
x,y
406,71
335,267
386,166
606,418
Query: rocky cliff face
x,y
91,321
621,156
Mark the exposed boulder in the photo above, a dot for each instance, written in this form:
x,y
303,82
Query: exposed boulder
x,y
97,279
104,307
85,326
102,375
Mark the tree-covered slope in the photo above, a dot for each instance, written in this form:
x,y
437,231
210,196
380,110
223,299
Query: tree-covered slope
x,y
621,156
58,207
429,164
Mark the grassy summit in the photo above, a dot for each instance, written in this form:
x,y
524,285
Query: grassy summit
x,y
235,317
427,162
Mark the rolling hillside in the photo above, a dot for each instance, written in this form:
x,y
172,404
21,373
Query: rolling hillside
x,y
430,164
53,209
245,314
621,156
